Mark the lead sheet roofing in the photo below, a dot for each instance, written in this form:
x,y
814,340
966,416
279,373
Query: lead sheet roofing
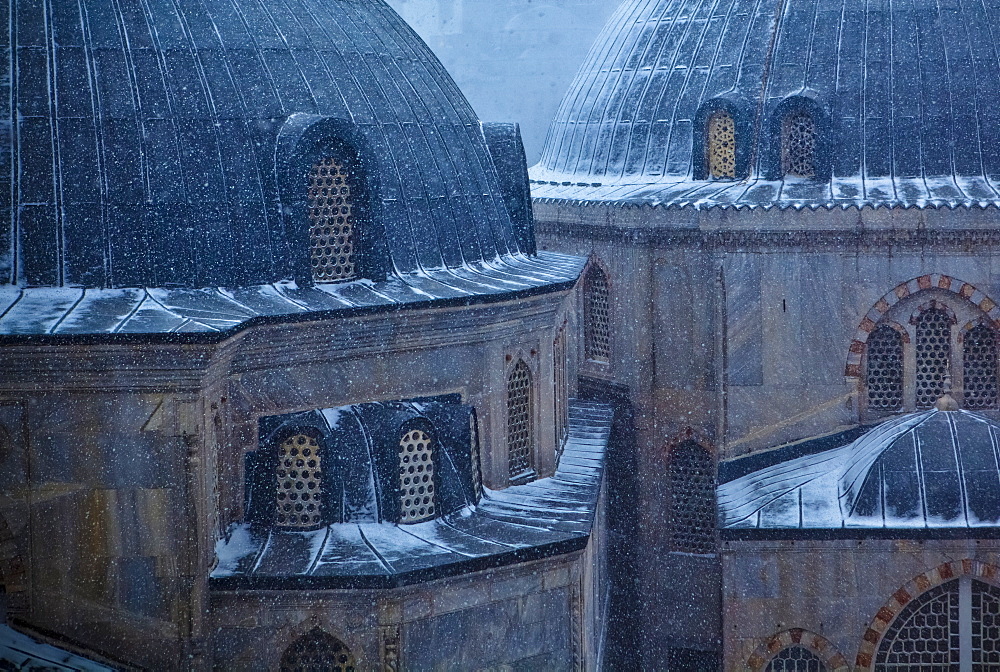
x,y
911,89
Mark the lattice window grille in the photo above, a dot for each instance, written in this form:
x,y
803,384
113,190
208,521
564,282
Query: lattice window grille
x,y
561,396
317,651
721,146
798,145
597,316
519,420
299,481
416,477
796,659
979,367
985,621
477,467
884,373
691,478
925,634
933,349
331,221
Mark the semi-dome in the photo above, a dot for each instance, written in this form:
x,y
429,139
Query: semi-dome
x,y
788,103
932,469
161,151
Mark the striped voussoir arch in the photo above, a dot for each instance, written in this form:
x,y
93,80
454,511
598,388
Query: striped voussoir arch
x,y
818,644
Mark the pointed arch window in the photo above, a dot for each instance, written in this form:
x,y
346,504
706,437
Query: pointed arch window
x,y
596,315
953,624
417,501
519,420
798,144
691,479
317,651
720,146
979,368
796,659
933,351
884,378
299,478
330,202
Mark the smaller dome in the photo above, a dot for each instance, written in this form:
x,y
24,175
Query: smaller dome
x,y
933,469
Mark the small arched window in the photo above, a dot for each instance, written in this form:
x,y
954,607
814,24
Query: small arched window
x,y
691,479
933,350
317,651
796,659
798,144
720,146
596,315
979,368
561,383
331,221
884,371
519,420
299,480
417,501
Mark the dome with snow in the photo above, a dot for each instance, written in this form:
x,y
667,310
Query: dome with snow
x,y
794,103
933,469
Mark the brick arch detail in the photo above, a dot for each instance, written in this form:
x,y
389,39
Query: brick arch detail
x,y
911,590
818,644
903,290
13,571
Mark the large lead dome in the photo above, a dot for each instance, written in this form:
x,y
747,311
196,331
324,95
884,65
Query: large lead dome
x,y
902,100
144,142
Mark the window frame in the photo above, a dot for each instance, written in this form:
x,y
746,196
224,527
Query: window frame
x,y
531,458
711,539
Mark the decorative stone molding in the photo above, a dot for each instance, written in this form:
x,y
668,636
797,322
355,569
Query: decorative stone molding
x,y
391,656
903,290
912,589
818,644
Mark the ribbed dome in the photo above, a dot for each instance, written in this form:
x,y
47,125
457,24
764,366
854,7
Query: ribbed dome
x,y
905,97
143,141
927,470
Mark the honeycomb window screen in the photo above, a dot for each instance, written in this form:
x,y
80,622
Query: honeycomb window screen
x,y
317,651
798,145
925,634
985,622
331,221
721,146
299,483
597,316
884,371
416,477
691,479
933,353
796,659
979,368
519,420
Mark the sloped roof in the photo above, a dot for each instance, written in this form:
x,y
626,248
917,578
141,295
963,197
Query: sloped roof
x,y
934,469
27,653
910,91
546,517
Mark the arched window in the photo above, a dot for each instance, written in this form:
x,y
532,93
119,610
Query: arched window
x,y
299,483
691,479
798,145
416,477
884,371
331,221
596,316
956,622
720,146
795,659
519,420
560,398
979,368
317,651
933,350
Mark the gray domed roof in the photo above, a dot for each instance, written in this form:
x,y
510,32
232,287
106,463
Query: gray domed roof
x,y
142,145
934,469
906,98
